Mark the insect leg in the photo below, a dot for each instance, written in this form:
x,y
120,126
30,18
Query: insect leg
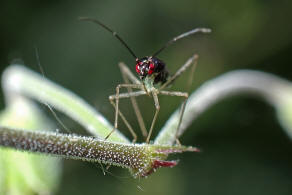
x,y
157,107
128,75
125,121
116,104
179,94
182,69
191,76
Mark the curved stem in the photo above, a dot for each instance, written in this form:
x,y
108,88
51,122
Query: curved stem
x,y
276,91
18,80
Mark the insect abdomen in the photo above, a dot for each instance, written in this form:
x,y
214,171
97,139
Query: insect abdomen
x,y
160,70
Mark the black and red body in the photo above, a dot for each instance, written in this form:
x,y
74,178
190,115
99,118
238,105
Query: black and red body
x,y
152,66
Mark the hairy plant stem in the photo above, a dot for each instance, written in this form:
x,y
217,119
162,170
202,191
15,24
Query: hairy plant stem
x,y
141,159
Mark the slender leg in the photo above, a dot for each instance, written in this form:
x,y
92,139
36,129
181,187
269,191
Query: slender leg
x,y
128,95
118,96
192,60
157,107
127,74
191,76
126,122
179,94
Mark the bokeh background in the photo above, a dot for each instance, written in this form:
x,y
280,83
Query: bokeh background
x,y
245,150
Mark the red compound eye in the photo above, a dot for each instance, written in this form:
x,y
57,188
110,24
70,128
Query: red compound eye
x,y
151,68
137,68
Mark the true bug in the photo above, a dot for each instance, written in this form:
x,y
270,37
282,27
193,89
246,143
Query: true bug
x,y
154,78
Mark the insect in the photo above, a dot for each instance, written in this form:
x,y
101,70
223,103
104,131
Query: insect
x,y
154,78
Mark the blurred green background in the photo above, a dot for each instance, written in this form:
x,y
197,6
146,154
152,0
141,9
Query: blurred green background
x,y
245,151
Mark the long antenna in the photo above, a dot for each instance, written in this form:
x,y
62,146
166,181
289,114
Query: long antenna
x,y
110,30
196,30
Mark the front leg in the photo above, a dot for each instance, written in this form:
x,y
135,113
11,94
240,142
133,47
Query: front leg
x,y
134,135
116,104
128,75
157,108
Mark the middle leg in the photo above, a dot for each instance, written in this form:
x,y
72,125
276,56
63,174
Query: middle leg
x,y
185,96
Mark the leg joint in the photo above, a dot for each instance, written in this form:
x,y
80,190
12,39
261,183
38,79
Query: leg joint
x,y
157,108
196,56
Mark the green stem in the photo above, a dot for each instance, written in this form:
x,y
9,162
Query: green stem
x,y
141,159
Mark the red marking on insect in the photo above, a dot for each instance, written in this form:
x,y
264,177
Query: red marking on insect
x,y
137,68
151,68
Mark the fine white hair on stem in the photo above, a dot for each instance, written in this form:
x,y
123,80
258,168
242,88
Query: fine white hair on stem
x,y
273,89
